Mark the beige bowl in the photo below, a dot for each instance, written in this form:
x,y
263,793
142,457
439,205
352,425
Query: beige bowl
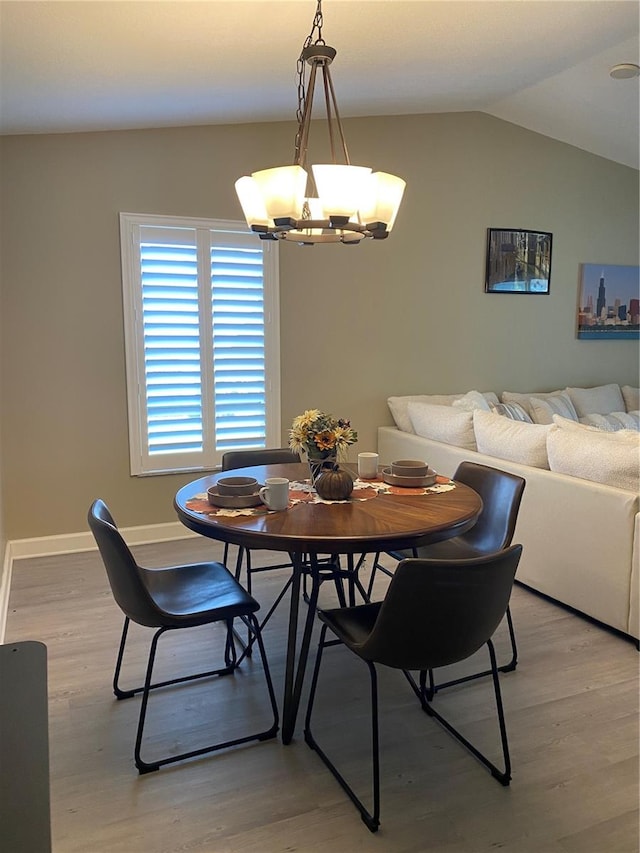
x,y
237,486
409,468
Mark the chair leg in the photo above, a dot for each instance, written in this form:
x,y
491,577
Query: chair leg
x,y
422,691
372,820
147,767
122,694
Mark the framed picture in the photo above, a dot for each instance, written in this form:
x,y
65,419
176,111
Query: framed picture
x,y
608,303
518,261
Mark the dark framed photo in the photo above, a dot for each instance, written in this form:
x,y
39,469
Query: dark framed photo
x,y
518,261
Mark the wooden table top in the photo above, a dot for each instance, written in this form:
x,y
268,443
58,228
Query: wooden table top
x,y
385,522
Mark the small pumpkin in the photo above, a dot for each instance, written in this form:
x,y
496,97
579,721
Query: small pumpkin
x,y
336,484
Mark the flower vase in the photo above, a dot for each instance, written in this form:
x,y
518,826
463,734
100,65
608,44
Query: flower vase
x,y
318,466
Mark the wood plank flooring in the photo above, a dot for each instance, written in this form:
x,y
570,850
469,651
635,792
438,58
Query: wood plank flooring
x,y
571,708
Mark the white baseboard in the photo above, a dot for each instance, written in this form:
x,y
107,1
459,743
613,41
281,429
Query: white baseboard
x,y
71,543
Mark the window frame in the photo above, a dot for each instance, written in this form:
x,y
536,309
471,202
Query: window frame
x,y
141,461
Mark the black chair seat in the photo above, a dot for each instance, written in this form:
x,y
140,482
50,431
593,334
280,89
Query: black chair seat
x,y
352,625
196,594
457,548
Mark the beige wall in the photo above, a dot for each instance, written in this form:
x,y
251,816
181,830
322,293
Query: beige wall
x,y
408,315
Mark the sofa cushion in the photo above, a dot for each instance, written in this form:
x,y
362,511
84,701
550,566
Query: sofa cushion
x,y
472,400
542,411
515,441
631,397
398,406
443,423
613,421
514,411
524,399
611,458
597,401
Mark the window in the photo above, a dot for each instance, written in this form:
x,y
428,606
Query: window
x,y
201,341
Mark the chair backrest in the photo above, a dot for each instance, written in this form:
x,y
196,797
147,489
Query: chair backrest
x,y
125,576
267,456
438,612
501,493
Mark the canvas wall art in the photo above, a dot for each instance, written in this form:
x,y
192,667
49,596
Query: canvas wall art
x,y
608,302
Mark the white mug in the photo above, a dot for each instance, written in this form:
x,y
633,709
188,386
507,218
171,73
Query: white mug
x,y
275,493
368,466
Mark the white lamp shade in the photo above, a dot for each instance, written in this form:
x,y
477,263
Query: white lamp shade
x,y
282,190
252,203
383,199
341,188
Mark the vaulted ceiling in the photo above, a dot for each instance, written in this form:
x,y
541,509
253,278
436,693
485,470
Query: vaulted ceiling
x,y
542,64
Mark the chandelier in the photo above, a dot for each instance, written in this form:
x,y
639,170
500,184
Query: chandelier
x,y
337,202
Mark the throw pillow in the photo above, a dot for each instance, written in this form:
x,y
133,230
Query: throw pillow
x,y
597,401
516,441
443,423
614,421
543,411
514,411
523,399
472,400
631,397
398,406
611,458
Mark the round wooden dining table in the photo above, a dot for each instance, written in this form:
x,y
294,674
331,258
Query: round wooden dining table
x,y
375,519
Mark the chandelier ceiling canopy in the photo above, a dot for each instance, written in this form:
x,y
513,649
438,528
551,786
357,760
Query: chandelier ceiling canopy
x,y
336,202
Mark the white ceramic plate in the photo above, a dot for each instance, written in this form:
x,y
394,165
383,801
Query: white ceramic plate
x,y
409,482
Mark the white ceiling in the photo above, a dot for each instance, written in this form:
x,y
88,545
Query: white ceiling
x,y
543,64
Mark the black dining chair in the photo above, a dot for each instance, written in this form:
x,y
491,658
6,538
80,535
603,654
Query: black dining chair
x,y
171,598
246,459
501,494
435,613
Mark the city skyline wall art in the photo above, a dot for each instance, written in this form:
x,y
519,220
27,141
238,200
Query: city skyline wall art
x,y
608,302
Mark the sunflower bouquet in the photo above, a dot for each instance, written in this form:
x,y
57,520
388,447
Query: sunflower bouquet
x,y
319,435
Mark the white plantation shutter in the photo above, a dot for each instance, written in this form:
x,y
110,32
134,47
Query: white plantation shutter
x,y
202,349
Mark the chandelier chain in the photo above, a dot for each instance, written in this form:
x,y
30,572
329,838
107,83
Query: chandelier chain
x,y
300,68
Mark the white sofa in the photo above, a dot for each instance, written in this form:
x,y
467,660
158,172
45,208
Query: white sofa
x,y
581,539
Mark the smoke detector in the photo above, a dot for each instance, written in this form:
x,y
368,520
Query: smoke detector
x,y
624,71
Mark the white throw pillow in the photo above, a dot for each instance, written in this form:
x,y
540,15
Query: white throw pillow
x,y
597,401
398,406
524,399
542,411
472,400
631,397
443,423
614,421
611,458
513,440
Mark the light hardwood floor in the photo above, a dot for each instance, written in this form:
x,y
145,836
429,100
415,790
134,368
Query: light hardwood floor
x,y
572,717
